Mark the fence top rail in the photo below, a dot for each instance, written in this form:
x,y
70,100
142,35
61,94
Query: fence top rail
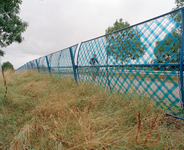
x,y
53,53
134,25
62,49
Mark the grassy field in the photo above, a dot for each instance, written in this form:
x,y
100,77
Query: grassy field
x,y
41,112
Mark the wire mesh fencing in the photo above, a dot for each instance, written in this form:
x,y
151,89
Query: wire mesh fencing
x,y
144,59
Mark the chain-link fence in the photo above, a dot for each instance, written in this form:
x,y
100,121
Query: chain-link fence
x,y
144,59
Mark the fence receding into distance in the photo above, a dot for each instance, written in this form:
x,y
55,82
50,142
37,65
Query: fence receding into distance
x,y
145,59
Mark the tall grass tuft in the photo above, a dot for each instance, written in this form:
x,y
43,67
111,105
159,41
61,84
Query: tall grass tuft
x,y
42,112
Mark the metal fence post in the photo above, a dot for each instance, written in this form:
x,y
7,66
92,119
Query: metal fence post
x,y
181,60
77,60
73,64
37,66
31,65
107,70
48,64
27,66
108,81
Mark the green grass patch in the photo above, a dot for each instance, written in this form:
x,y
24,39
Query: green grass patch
x,y
42,112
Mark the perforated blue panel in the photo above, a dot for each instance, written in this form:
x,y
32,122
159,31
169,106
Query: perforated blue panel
x,y
142,59
145,59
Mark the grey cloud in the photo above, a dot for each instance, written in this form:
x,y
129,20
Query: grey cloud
x,y
57,24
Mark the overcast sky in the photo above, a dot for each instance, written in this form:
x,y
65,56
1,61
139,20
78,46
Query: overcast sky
x,y
58,24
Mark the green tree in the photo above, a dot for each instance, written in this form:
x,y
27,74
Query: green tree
x,y
124,45
179,3
117,26
167,50
11,26
7,65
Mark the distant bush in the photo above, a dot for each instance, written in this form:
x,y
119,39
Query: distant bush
x,y
7,65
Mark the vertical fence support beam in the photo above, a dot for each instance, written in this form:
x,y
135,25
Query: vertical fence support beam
x,y
108,81
37,66
31,65
181,59
77,60
27,66
48,64
73,64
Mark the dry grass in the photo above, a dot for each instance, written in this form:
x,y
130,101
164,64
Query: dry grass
x,y
42,112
